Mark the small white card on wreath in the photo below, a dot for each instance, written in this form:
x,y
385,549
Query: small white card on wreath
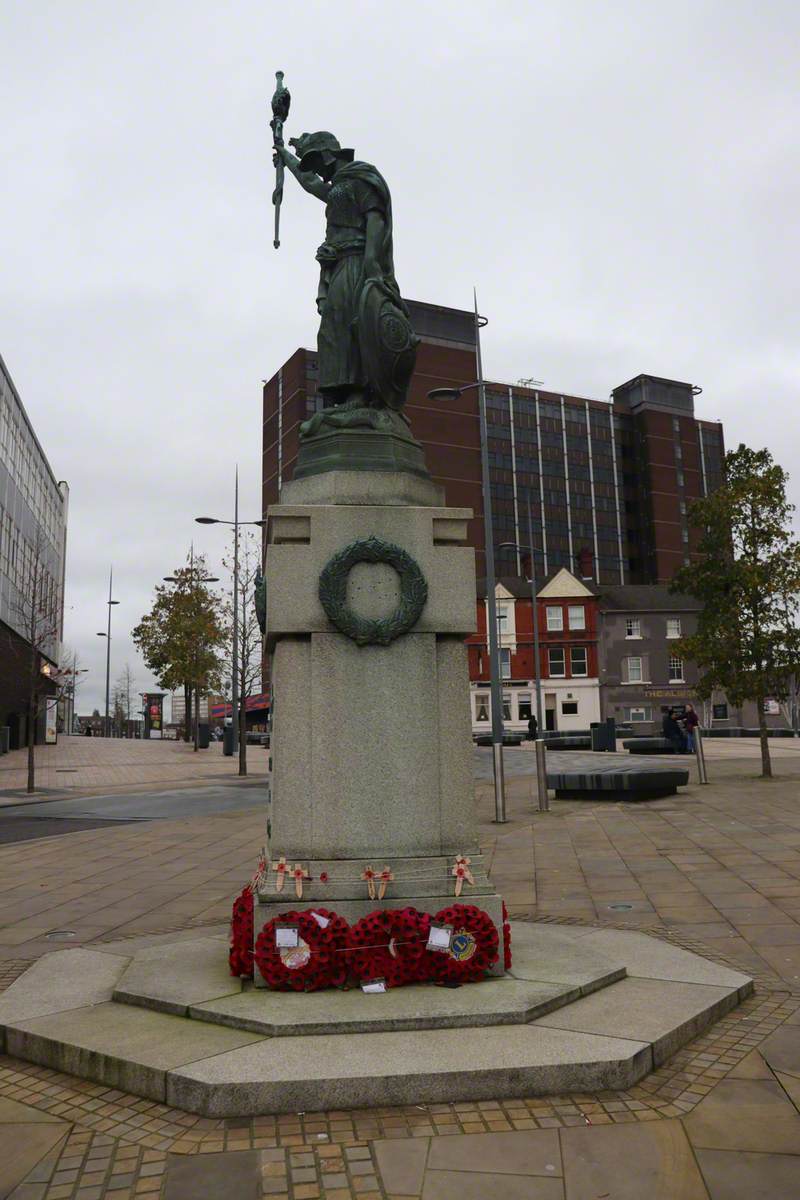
x,y
440,938
370,986
286,937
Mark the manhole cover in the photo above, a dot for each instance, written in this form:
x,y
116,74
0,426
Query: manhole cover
x,y
621,907
61,935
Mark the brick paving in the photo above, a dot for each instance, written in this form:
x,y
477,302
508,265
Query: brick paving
x,y
715,869
87,766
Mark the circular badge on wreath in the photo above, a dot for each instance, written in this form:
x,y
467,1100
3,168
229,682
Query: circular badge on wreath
x,y
333,592
474,948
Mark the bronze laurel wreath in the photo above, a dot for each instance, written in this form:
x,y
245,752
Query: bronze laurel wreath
x,y
333,592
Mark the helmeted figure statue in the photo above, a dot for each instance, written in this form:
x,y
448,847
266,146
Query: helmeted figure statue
x,y
366,345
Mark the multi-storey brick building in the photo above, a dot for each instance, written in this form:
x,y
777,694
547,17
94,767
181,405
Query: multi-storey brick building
x,y
612,478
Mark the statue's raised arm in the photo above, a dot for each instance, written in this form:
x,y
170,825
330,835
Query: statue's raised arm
x,y
366,346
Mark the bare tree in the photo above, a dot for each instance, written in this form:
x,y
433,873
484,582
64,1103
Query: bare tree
x,y
35,610
249,641
124,693
71,677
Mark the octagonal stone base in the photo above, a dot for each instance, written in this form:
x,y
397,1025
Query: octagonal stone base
x,y
582,1009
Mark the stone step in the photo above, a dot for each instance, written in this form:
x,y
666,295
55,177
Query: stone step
x,y
602,1040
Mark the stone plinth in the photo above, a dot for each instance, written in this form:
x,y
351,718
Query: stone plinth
x,y
371,744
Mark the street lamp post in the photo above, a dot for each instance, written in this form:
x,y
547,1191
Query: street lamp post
x,y
107,636
491,608
537,667
235,698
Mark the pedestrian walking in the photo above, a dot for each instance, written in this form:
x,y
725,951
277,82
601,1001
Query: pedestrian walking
x,y
533,728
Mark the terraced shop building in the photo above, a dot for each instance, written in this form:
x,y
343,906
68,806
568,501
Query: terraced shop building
x,y
610,478
33,534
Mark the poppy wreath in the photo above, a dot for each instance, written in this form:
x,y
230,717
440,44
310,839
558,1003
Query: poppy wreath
x,y
474,948
390,944
240,955
506,939
316,962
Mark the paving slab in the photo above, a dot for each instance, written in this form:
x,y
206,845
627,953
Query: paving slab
x,y
172,976
14,1113
631,1162
361,1070
125,1047
665,1014
457,1185
233,1176
21,1148
63,980
737,1175
746,1114
522,1152
781,1050
401,1162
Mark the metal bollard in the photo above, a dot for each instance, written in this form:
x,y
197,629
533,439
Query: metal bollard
x,y
700,755
541,775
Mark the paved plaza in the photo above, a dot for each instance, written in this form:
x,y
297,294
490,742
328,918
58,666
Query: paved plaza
x,y
715,869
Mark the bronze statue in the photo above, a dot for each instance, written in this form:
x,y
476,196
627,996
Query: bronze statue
x,y
366,345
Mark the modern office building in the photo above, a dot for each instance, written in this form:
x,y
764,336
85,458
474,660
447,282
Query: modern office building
x,y
33,531
612,479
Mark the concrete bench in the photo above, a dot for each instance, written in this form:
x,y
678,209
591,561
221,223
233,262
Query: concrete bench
x,y
576,742
650,745
618,779
509,739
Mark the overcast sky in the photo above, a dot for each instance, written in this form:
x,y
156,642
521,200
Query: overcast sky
x,y
619,180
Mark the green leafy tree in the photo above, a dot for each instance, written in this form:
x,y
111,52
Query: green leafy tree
x,y
747,642
181,636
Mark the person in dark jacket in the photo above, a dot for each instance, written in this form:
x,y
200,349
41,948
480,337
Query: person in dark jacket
x,y
533,728
671,730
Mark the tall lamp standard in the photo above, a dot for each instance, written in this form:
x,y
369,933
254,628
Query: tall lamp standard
x,y
491,608
107,636
537,666
235,657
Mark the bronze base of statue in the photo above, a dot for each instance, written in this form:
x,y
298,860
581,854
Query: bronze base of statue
x,y
358,439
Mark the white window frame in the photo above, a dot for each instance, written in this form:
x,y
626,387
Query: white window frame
x,y
633,623
483,699
505,662
555,618
557,650
585,672
646,714
673,658
640,668
502,620
675,622
580,610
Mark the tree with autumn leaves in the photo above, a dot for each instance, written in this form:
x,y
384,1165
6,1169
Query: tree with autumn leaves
x,y
182,636
747,642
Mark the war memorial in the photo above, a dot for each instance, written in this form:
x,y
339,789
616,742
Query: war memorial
x,y
371,961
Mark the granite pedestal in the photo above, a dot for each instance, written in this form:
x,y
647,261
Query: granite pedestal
x,y
371,744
